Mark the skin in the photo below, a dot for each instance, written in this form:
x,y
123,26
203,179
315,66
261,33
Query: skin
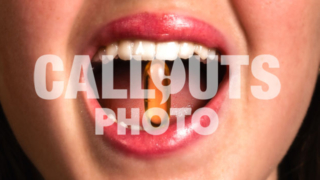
x,y
253,135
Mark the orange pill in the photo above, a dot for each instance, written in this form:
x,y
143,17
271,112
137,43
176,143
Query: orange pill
x,y
157,69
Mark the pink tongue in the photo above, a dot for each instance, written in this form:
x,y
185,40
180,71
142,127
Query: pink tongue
x,y
122,81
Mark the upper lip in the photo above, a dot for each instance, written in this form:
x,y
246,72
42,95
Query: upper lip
x,y
159,27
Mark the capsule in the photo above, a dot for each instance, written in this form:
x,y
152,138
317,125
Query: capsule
x,y
159,68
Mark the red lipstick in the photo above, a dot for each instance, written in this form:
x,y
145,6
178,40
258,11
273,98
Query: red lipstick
x,y
160,28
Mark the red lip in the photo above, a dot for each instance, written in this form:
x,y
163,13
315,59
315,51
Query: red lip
x,y
160,27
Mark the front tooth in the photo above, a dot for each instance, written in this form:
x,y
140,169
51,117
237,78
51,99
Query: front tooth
x,y
186,50
201,51
125,50
112,49
145,49
167,51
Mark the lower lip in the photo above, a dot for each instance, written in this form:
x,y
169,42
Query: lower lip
x,y
145,144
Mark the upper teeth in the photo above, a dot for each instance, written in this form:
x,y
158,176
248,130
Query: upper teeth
x,y
150,50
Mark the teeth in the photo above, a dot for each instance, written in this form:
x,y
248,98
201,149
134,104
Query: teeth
x,y
112,49
212,55
146,49
98,56
123,124
186,50
110,116
150,50
136,127
167,51
201,51
125,50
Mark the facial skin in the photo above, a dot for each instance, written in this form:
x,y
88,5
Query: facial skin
x,y
253,135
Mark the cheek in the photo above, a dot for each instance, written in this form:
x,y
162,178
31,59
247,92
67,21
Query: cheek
x,y
38,28
280,22
288,30
33,29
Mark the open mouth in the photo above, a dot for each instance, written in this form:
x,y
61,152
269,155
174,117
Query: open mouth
x,y
167,38
148,52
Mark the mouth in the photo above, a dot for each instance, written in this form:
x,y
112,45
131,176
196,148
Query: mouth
x,y
160,37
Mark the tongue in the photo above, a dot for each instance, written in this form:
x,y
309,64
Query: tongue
x,y
182,99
